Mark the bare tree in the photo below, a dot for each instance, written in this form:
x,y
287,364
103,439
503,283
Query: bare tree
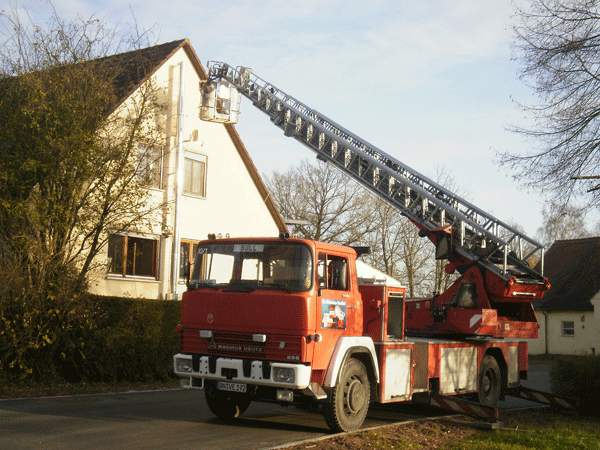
x,y
320,195
562,222
396,247
557,42
384,238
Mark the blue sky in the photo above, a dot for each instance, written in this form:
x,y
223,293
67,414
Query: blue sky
x,y
431,83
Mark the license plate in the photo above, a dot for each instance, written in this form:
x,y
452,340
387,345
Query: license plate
x,y
232,387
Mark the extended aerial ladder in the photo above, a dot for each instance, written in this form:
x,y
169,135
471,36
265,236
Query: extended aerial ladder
x,y
494,293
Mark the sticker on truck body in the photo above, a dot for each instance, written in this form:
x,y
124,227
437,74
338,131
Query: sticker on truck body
x,y
334,313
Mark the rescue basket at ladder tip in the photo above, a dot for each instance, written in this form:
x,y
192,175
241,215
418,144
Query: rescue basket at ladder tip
x,y
220,101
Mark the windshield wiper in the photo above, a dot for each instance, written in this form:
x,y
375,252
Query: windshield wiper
x,y
280,286
240,286
197,284
240,289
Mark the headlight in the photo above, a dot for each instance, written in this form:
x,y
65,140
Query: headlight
x,y
284,375
183,365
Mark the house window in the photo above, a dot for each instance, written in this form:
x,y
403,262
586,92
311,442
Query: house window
x,y
151,165
568,328
194,181
187,254
132,256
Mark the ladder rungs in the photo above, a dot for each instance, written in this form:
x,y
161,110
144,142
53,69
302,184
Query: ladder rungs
x,y
415,195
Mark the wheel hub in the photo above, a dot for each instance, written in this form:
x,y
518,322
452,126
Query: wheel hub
x,y
487,383
356,396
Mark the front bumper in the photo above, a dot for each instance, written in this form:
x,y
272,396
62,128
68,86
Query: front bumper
x,y
240,371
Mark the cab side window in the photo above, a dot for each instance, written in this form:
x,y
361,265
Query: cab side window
x,y
332,272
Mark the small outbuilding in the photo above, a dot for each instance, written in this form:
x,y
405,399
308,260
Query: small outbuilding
x,y
569,313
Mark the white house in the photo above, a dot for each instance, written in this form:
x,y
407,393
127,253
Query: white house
x,y
219,188
569,313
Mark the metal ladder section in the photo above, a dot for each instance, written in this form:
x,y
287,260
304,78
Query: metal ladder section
x,y
478,236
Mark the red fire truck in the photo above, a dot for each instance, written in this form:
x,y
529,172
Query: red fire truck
x,y
288,320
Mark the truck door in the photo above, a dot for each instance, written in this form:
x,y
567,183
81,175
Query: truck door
x,y
336,306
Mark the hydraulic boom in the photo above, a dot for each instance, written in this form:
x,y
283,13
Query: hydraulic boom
x,y
494,293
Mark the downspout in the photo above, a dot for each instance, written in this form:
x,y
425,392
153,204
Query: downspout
x,y
178,187
545,332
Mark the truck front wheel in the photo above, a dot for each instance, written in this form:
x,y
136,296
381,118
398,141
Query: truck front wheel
x,y
347,408
225,405
490,382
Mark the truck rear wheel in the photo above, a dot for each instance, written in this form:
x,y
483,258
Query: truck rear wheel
x,y
225,405
490,382
347,408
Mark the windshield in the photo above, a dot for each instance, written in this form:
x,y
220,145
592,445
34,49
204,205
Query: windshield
x,y
248,266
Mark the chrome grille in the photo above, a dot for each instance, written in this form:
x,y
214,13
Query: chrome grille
x,y
241,345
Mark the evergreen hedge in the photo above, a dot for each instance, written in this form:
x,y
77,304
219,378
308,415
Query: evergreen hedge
x,y
134,340
578,378
122,339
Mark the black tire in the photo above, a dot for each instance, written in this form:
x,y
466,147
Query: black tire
x,y
225,405
349,403
490,382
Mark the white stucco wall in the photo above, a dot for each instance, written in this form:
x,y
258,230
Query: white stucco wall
x,y
595,322
232,204
584,341
538,346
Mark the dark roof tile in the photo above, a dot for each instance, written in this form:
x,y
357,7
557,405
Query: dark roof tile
x,y
573,269
130,69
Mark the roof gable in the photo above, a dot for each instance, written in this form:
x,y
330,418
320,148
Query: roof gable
x,y
573,269
137,66
129,70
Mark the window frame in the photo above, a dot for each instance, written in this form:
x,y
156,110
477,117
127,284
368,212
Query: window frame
x,y
155,179
124,265
192,249
567,331
188,186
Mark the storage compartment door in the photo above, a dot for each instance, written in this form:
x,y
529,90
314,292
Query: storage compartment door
x,y
458,370
397,374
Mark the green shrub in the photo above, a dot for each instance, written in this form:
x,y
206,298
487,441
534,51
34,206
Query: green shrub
x,y
89,338
134,340
45,314
578,378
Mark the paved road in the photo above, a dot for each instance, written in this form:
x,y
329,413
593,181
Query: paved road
x,y
145,420
174,419
178,419
539,379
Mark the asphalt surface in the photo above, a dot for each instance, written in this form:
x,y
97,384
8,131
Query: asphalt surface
x,y
173,419
180,419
